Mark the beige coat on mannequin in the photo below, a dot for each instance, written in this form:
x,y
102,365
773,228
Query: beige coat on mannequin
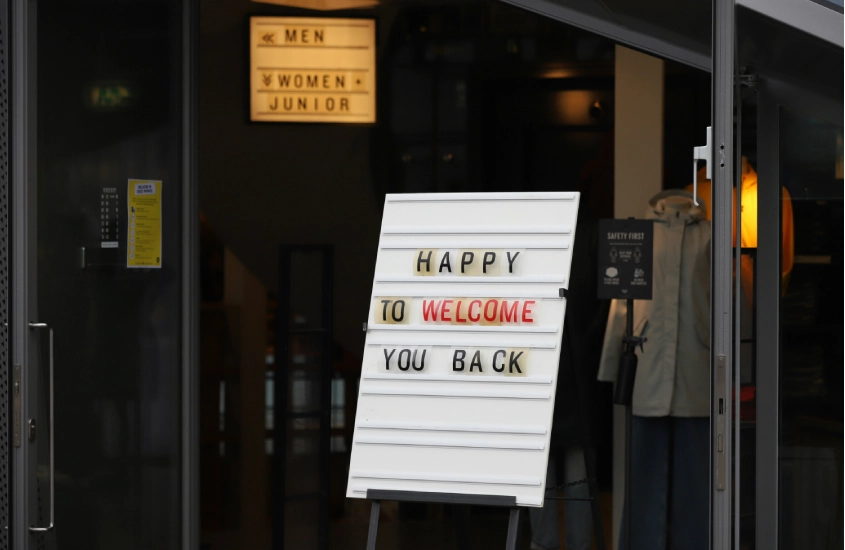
x,y
673,372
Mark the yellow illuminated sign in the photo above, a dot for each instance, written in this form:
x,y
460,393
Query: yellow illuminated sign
x,y
144,224
312,70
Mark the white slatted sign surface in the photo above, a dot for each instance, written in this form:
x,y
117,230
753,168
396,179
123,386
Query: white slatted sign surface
x,y
463,341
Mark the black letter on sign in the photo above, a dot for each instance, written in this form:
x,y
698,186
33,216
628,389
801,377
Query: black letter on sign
x,y
511,261
445,263
465,262
458,359
492,258
498,351
401,313
422,361
407,363
387,358
384,312
476,361
513,362
427,261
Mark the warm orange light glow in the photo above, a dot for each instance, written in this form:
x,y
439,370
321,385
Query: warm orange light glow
x,y
573,106
748,220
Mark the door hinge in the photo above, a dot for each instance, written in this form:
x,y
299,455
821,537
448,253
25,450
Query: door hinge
x,y
16,406
748,81
721,421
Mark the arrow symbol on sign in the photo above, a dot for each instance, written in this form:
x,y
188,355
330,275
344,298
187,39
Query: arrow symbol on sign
x,y
269,38
267,79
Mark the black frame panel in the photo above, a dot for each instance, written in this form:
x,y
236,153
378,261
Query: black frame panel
x,y
773,96
281,390
5,365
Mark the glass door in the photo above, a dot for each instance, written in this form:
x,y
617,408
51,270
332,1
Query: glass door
x,y
790,397
788,394
810,398
100,310
799,402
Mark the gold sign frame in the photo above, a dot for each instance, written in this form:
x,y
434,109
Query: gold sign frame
x,y
312,69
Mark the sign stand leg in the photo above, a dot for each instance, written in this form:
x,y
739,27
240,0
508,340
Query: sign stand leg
x,y
513,529
595,505
461,514
374,514
587,444
627,496
624,394
457,499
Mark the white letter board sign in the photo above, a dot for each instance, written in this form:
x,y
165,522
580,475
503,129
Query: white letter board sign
x,y
463,341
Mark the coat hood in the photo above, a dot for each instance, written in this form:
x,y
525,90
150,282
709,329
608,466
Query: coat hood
x,y
689,213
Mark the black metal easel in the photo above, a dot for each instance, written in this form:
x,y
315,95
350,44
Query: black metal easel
x,y
377,495
586,441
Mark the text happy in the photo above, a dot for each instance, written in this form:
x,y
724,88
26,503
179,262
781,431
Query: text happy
x,y
431,261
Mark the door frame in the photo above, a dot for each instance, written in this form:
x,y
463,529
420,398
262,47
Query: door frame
x,y
22,87
190,276
772,96
652,44
6,371
724,359
18,185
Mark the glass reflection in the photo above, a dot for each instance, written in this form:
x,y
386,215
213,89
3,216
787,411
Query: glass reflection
x,y
811,328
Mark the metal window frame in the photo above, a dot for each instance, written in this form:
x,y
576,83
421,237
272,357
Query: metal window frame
x,y
723,357
616,32
773,96
5,363
23,154
190,277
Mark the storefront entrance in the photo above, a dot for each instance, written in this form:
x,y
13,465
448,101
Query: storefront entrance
x,y
172,380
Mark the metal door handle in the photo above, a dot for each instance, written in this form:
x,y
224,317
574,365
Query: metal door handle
x,y
702,153
52,446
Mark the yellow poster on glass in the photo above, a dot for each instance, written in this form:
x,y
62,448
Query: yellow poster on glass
x,y
143,247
